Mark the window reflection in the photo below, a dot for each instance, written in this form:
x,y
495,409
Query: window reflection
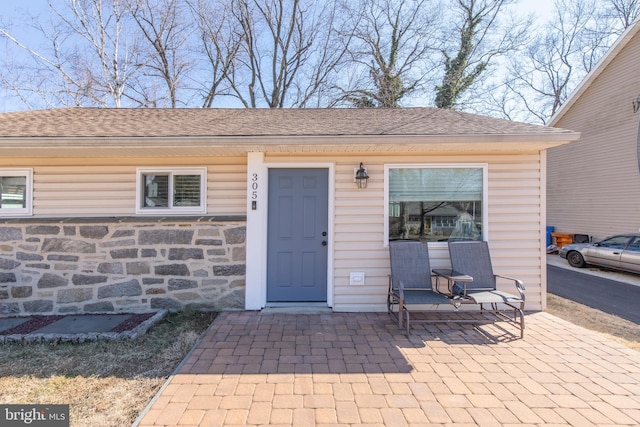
x,y
435,204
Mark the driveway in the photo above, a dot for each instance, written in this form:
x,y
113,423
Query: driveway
x,y
350,369
618,276
609,296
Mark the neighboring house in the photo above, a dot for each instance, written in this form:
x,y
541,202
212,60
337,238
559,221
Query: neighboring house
x,y
593,187
133,210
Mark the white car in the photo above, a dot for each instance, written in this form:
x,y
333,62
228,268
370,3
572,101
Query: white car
x,y
621,252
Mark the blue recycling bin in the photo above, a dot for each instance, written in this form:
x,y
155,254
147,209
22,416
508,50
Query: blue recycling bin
x,y
550,229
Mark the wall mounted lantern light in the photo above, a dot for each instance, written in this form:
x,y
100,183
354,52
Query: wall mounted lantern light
x,y
361,178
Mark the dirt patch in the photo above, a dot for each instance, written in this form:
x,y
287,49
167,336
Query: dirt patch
x,y
614,327
132,322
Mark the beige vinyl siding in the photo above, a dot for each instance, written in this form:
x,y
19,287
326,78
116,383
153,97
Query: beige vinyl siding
x,y
514,210
227,187
71,190
84,191
515,233
593,185
515,223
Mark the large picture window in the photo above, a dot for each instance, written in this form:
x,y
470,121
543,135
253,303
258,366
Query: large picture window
x,y
435,203
173,191
15,192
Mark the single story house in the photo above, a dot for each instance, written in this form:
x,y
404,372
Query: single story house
x,y
593,186
112,210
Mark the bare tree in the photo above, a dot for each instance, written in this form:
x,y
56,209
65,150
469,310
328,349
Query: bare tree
x,y
220,38
625,12
314,84
567,47
90,61
393,42
102,25
481,37
275,53
551,66
164,27
282,42
301,53
31,81
565,50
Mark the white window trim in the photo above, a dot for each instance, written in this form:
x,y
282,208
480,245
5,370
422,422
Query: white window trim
x,y
172,210
28,209
485,193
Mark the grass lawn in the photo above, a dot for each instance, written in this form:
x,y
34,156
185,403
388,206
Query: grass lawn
x,y
105,383
110,383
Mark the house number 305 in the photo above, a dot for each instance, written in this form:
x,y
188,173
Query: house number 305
x,y
254,191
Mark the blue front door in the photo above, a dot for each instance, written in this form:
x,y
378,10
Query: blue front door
x,y
297,235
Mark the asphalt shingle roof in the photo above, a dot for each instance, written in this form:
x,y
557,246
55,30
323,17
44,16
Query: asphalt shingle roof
x,y
117,123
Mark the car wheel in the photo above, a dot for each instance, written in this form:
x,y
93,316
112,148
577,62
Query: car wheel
x,y
576,259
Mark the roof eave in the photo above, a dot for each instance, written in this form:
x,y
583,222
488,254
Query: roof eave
x,y
100,141
190,146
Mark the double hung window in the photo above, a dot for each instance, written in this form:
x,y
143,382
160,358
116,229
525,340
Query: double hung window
x,y
15,192
436,203
171,191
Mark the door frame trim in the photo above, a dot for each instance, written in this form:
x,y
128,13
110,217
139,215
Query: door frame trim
x,y
256,240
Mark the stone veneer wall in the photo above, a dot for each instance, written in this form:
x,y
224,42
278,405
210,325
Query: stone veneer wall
x,y
121,265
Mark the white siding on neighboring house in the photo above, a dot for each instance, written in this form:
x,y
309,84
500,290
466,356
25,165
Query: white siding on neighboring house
x,y
515,233
593,185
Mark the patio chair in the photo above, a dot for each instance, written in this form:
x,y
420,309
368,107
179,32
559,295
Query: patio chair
x,y
410,280
473,258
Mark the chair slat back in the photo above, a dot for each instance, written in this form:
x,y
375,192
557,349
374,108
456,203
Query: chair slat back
x,y
473,258
410,263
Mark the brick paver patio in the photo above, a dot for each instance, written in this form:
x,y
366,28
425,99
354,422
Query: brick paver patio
x,y
345,369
